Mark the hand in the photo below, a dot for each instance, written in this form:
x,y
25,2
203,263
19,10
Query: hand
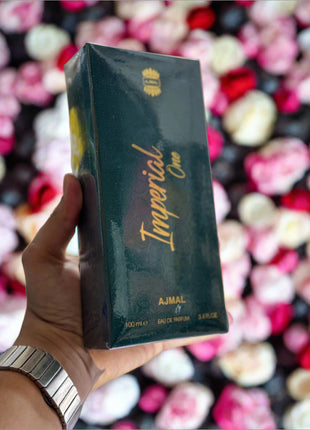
x,y
53,320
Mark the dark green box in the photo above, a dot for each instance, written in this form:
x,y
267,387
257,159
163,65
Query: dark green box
x,y
149,256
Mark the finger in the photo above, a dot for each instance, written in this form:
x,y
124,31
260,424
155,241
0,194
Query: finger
x,y
119,361
58,230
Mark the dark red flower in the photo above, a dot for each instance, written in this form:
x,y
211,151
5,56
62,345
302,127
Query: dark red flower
x,y
237,82
304,357
6,144
41,191
66,53
201,17
73,5
286,260
215,142
280,316
245,3
15,287
298,199
286,100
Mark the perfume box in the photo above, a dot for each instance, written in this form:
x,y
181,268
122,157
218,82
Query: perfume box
x,y
149,254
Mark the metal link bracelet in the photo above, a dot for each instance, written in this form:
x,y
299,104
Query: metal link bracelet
x,y
53,381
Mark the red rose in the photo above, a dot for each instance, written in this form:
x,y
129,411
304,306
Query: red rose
x,y
298,200
202,17
304,357
245,3
286,100
65,54
286,260
237,82
41,191
280,316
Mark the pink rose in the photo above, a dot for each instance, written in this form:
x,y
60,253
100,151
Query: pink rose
x,y
221,202
302,13
109,31
296,337
234,275
215,142
8,78
76,5
238,408
301,279
198,45
29,86
7,136
19,16
255,322
280,163
167,32
264,244
124,425
186,407
270,286
4,52
152,398
265,12
278,57
9,106
298,80
250,39
206,350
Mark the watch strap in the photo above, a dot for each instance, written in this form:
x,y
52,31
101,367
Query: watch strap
x,y
53,381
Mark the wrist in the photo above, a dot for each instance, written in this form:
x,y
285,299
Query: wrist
x,y
65,347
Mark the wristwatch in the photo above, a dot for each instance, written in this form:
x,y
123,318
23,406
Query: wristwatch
x,y
53,381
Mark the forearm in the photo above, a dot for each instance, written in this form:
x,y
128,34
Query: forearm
x,y
22,404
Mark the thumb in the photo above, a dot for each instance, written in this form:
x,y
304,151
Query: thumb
x,y
56,233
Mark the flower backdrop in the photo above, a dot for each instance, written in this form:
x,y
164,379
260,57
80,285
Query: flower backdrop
x,y
255,66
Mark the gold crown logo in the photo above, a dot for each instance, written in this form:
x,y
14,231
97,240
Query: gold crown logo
x,y
150,73
151,82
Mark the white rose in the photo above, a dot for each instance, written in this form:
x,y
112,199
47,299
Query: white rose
x,y
45,41
250,119
54,81
292,228
233,240
227,54
257,210
271,286
303,40
138,10
298,416
250,364
170,367
221,201
298,384
112,401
